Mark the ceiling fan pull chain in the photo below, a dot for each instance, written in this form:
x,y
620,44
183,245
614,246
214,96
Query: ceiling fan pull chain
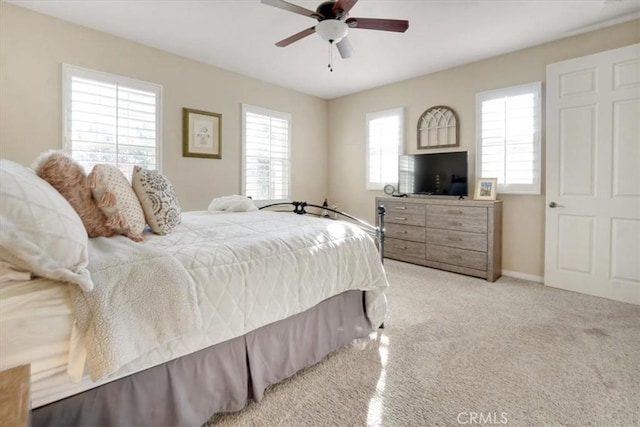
x,y
330,56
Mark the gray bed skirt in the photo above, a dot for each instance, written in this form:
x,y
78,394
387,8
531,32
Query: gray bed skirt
x,y
222,378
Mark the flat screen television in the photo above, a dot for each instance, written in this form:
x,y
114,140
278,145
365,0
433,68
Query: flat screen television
x,y
442,174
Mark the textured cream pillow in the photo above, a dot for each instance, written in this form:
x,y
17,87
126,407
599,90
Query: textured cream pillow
x,y
158,199
115,197
68,177
39,230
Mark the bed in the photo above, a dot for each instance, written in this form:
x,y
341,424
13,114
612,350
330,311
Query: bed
x,y
212,314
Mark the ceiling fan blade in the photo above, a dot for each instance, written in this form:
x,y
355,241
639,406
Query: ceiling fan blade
x,y
397,25
345,48
344,5
290,7
294,38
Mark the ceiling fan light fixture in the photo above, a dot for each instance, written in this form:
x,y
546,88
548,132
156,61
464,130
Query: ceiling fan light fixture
x,y
332,30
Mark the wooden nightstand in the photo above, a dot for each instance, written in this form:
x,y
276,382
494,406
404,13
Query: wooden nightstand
x,y
14,396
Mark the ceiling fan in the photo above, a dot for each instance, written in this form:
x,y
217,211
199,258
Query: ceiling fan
x,y
334,23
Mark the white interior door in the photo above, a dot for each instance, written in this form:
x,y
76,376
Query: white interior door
x,y
592,237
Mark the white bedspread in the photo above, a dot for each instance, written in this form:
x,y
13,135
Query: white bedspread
x,y
143,298
272,264
240,260
254,268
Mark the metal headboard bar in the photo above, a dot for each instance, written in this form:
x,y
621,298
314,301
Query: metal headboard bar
x,y
300,209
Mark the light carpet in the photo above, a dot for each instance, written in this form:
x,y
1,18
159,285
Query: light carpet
x,y
462,351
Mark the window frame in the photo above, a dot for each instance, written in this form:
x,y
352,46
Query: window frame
x,y
247,108
69,71
534,88
399,111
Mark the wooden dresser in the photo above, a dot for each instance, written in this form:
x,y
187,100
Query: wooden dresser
x,y
463,236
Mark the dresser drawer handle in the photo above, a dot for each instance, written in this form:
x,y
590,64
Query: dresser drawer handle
x,y
456,224
401,208
401,218
454,239
403,232
454,212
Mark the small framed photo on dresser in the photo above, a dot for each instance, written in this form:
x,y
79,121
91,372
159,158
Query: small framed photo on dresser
x,y
485,189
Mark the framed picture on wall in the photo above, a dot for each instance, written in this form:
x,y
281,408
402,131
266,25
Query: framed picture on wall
x,y
201,134
486,189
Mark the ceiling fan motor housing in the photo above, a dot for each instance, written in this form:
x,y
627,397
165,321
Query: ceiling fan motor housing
x,y
328,10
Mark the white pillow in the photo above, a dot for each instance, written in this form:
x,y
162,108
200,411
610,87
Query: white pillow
x,y
39,230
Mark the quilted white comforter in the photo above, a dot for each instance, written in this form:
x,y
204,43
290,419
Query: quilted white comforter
x,y
254,268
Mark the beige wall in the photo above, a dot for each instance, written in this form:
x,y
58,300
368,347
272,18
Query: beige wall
x,y
523,237
33,47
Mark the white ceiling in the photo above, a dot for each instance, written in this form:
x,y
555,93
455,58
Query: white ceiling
x,y
239,35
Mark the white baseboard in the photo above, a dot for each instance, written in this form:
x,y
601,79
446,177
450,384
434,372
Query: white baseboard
x,y
524,276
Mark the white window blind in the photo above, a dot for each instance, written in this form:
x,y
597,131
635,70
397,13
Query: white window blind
x,y
508,137
385,136
110,119
266,170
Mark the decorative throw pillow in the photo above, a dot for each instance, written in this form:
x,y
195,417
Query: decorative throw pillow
x,y
68,177
115,197
158,199
39,230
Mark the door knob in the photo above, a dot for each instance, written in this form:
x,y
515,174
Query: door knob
x,y
555,205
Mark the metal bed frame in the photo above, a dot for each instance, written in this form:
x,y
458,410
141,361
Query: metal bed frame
x,y
377,233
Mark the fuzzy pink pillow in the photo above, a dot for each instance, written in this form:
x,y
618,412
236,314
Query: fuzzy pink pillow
x,y
68,177
117,200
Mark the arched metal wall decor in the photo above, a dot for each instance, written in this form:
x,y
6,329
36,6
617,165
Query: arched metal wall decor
x,y
438,128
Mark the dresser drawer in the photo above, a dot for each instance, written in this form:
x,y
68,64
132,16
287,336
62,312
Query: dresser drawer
x,y
405,232
462,218
405,218
404,247
405,213
457,239
455,256
404,208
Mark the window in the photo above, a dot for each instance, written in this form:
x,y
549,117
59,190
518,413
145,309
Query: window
x,y
508,138
384,138
266,163
110,119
